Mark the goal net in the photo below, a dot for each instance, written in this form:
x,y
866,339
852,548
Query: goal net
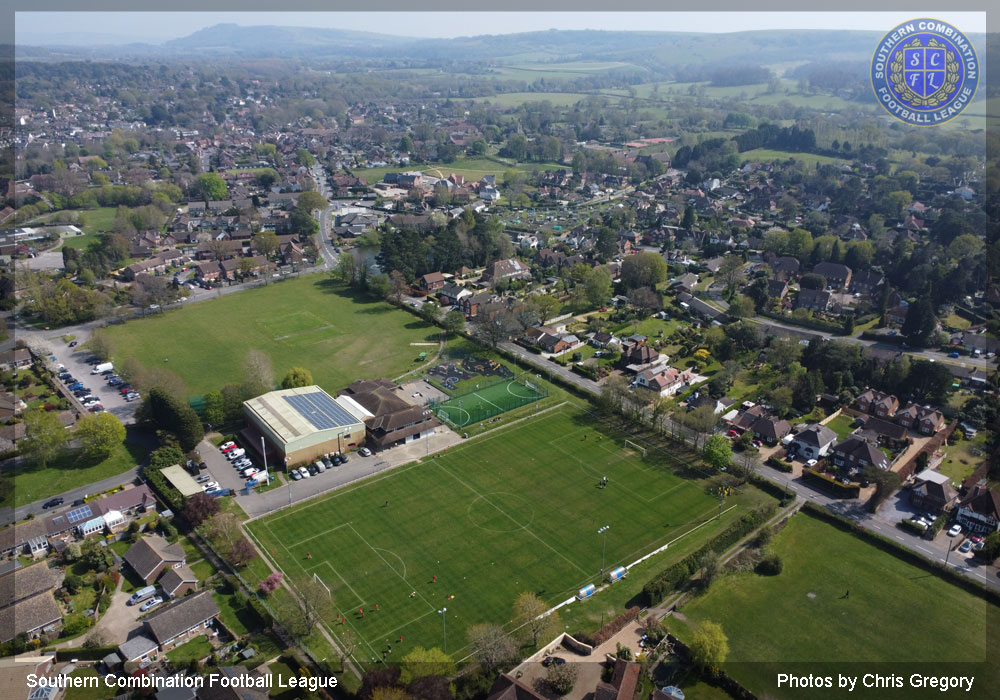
x,y
318,580
630,445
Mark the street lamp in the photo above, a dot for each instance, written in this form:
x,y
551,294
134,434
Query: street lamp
x,y
604,546
444,628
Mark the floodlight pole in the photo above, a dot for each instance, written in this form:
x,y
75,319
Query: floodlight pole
x,y
263,451
289,482
604,547
444,628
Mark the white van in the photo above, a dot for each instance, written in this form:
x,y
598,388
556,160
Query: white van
x,y
320,467
141,595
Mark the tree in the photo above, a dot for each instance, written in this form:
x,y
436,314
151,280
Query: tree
x,y
545,305
100,344
644,299
741,306
301,613
266,243
210,187
711,567
598,285
44,436
380,286
297,377
242,552
991,549
717,452
422,662
100,434
199,508
920,322
310,201
453,322
347,269
929,381
214,412
561,678
709,645
163,411
305,158
430,312
800,243
492,645
528,609
223,530
690,219
812,280
258,373
730,272
644,270
271,583
606,243
493,324
397,285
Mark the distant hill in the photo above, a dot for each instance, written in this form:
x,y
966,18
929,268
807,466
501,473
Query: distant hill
x,y
238,40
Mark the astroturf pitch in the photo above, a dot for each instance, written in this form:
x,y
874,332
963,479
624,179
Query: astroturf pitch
x,y
513,511
487,402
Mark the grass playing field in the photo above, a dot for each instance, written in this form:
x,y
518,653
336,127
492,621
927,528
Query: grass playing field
x,y
516,510
896,612
309,322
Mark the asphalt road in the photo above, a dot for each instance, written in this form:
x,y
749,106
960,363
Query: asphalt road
x,y
563,372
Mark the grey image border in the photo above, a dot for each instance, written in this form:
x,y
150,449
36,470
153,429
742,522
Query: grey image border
x,y
290,7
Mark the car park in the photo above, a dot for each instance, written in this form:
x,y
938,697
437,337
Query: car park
x,y
52,503
966,547
152,603
955,530
365,452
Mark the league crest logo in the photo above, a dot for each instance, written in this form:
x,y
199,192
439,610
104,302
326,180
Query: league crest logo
x,y
925,72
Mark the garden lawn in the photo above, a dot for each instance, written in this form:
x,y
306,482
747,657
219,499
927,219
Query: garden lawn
x,y
962,458
309,322
802,620
198,648
841,425
513,511
99,692
69,471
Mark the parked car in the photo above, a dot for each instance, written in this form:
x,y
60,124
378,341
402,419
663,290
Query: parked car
x,y
553,661
343,457
304,472
295,475
226,445
327,462
131,397
115,382
151,603
966,547
52,503
365,452
952,354
955,530
335,460
80,502
96,408
202,465
203,478
812,463
312,470
210,485
73,344
235,454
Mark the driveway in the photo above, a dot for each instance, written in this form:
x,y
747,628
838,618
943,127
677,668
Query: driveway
x,y
116,623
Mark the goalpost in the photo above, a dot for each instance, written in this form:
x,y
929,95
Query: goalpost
x,y
635,446
318,580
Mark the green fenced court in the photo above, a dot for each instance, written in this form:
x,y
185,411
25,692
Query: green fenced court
x,y
471,528
489,398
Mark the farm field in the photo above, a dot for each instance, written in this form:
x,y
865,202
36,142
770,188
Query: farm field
x,y
767,154
513,99
513,511
925,624
310,322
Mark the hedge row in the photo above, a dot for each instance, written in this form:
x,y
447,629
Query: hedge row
x,y
913,527
84,653
171,496
839,489
902,552
674,576
769,487
780,464
614,627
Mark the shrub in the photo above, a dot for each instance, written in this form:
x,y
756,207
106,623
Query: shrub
x,y
614,627
915,528
780,464
769,565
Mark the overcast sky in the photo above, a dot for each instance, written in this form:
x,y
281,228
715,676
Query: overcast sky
x,y
160,26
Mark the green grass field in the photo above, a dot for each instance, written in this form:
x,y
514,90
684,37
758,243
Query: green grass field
x,y
470,168
68,471
841,425
516,510
514,99
487,402
309,322
800,620
767,154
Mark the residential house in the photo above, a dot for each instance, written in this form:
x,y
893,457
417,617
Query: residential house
x,y
813,442
785,267
837,276
813,299
13,360
897,314
770,430
624,682
855,453
687,282
922,419
470,305
664,380
182,620
639,357
27,605
431,282
698,307
882,431
509,269
603,340
877,403
979,512
176,582
866,282
777,289
932,491
509,688
451,294
748,417
151,555
207,271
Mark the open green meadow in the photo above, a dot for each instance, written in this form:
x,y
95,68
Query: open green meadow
x,y
310,322
897,616
514,99
515,510
810,159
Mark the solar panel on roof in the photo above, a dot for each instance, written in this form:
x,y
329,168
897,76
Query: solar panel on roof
x,y
75,516
320,410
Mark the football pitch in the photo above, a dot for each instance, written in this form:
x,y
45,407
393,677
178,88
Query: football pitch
x,y
487,402
513,511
